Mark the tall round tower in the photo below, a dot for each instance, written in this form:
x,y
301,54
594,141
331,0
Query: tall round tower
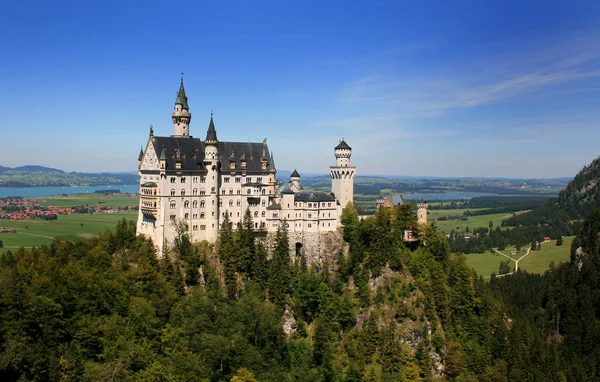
x,y
181,114
342,174
211,162
422,213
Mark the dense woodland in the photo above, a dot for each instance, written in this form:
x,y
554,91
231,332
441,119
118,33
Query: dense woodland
x,y
246,309
107,309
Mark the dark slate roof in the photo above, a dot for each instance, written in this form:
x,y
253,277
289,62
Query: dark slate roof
x,y
149,184
313,197
181,97
211,133
180,149
343,145
184,150
251,152
276,206
286,188
295,174
141,154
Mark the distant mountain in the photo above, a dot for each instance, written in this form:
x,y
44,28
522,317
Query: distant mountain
x,y
574,202
34,168
41,176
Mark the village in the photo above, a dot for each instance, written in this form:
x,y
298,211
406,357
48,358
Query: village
x,y
18,208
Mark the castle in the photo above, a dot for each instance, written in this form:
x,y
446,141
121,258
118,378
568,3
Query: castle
x,y
199,182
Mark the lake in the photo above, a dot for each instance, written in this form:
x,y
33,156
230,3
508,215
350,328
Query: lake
x,y
38,192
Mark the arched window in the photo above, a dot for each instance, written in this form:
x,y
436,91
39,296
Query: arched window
x,y
212,190
182,192
223,192
195,204
239,203
195,191
172,192
173,204
263,214
231,203
186,204
249,191
264,191
255,214
202,203
187,216
183,180
201,215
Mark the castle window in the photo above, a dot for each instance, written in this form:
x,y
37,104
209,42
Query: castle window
x,y
262,224
255,225
255,214
195,228
195,191
213,202
213,214
263,214
220,203
186,204
202,215
230,214
259,180
231,191
202,179
187,216
183,180
195,179
309,215
238,179
203,228
203,192
173,204
239,203
309,205
172,179
182,192
202,203
239,192
264,191
249,179
172,192
172,217
238,214
231,203
249,191
195,216
212,190
328,204
264,203
226,179
223,192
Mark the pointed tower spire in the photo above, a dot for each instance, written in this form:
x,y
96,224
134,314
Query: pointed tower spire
x,y
141,154
211,133
181,113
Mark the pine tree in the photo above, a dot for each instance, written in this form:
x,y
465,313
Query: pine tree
x,y
279,275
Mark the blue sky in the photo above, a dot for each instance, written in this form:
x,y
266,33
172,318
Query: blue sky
x,y
424,88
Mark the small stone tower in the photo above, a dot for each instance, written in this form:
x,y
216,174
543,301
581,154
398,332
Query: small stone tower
x,y
295,179
211,161
422,213
181,114
342,174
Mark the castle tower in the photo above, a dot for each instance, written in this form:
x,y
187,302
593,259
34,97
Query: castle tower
x,y
181,114
295,179
422,213
211,162
342,174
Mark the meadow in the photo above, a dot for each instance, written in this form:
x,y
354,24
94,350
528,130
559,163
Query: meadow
x,y
536,262
472,222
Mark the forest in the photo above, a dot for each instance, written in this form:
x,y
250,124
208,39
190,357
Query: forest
x,y
107,308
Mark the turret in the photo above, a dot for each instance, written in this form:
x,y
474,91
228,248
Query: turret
x,y
181,114
140,157
295,179
211,162
342,154
342,174
422,213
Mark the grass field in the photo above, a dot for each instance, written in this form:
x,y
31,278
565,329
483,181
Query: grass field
x,y
486,263
68,226
90,200
536,262
471,222
539,261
